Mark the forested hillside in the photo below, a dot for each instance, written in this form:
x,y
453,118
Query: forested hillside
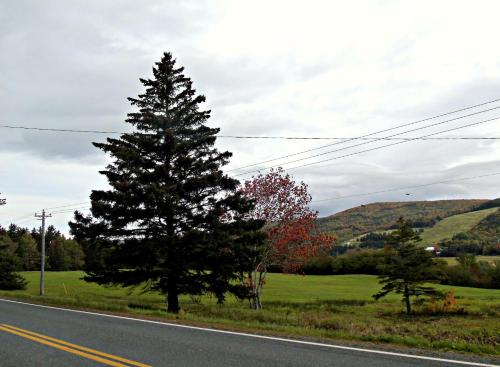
x,y
379,216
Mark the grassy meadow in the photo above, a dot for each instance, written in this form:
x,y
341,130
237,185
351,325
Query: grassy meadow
x,y
338,307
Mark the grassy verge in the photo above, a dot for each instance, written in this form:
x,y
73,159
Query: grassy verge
x,y
337,307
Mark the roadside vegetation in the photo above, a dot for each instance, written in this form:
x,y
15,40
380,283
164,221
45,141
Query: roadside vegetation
x,y
338,307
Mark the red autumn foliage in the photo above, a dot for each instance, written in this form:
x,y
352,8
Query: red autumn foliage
x,y
293,237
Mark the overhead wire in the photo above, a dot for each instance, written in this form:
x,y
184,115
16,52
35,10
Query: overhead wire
x,y
371,149
369,142
405,187
379,132
68,205
251,136
355,138
70,210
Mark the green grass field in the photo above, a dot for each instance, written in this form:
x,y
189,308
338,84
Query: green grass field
x,y
338,307
446,228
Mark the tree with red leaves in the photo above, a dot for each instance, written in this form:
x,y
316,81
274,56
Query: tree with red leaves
x,y
292,235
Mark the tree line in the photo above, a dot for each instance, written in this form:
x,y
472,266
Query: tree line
x,y
23,246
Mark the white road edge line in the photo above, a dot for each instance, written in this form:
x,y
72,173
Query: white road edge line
x,y
333,346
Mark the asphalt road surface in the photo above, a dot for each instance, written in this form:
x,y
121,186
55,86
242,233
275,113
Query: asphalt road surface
x,y
33,335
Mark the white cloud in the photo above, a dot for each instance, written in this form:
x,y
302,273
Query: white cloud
x,y
316,68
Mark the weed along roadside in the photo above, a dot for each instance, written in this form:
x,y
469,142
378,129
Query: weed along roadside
x,y
335,307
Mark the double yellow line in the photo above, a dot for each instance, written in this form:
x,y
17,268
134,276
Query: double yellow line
x,y
78,350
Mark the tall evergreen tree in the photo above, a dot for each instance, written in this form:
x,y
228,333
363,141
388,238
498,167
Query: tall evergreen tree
x,y
172,219
407,267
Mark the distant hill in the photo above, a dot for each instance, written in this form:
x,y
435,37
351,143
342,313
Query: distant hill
x,y
381,216
460,223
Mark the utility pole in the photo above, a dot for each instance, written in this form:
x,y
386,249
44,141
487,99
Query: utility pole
x,y
42,265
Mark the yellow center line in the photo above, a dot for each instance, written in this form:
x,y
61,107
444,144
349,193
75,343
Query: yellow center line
x,y
71,348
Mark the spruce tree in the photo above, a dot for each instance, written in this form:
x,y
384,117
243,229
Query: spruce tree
x,y
171,221
407,267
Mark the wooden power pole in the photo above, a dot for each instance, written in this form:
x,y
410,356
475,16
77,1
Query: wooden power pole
x,y
42,216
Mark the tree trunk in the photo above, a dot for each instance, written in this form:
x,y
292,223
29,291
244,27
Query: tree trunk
x,y
257,279
173,299
407,300
255,301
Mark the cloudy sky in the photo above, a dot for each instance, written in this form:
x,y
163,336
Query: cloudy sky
x,y
268,68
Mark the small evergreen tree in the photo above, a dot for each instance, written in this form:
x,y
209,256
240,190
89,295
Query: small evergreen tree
x,y
172,220
407,267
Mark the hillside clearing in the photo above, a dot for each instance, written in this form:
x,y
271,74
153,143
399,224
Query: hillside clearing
x,y
448,227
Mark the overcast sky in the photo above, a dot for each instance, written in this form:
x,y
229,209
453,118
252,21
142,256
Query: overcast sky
x,y
280,68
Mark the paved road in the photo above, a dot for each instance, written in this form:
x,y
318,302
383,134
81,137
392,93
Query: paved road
x,y
37,336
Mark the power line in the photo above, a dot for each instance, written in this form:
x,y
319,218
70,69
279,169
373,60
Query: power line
x,y
59,130
70,210
5,126
405,188
397,143
68,205
376,148
360,144
23,217
353,138
24,221
29,217
378,132
247,136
